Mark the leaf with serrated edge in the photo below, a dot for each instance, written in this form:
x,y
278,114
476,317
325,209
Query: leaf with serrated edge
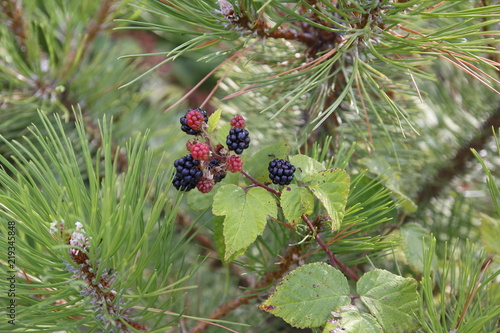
x,y
259,162
219,239
213,121
348,319
392,299
331,187
295,201
308,295
245,215
305,166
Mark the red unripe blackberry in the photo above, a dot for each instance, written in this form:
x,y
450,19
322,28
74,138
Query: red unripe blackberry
x,y
238,140
238,121
200,151
193,121
234,163
205,185
187,173
281,171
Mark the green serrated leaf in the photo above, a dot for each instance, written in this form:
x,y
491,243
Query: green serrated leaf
x,y
295,201
412,234
308,295
305,166
331,187
222,134
350,320
213,121
245,214
392,299
257,165
219,239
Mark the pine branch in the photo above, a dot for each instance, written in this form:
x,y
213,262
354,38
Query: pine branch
x,y
12,9
271,276
458,164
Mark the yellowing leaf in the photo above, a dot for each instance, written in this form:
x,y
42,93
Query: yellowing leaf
x,y
245,215
392,299
308,295
295,201
331,187
213,121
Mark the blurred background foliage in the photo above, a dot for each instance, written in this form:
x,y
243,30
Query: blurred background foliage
x,y
399,110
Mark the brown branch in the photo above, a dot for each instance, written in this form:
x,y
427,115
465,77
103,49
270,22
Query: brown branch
x,y
333,259
271,276
457,165
12,9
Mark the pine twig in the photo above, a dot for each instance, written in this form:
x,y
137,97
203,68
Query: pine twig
x,y
12,9
272,275
457,165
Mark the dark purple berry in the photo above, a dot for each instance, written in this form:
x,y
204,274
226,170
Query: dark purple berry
x,y
187,174
281,171
238,140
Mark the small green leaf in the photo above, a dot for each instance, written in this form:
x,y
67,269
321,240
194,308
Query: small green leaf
x,y
219,239
245,213
331,187
350,320
222,134
305,166
412,234
392,299
308,295
257,165
213,121
295,201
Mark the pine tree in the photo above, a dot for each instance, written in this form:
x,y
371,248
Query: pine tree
x,y
384,116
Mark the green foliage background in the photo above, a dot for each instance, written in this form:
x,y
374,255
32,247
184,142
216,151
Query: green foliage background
x,y
398,99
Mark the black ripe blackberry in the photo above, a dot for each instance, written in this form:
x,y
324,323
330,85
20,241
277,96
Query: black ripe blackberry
x,y
281,171
217,170
238,140
187,174
191,122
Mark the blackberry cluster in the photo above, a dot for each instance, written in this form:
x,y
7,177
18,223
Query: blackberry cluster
x,y
281,171
238,140
188,173
192,120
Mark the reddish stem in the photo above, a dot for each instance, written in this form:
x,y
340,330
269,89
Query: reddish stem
x,y
256,182
333,259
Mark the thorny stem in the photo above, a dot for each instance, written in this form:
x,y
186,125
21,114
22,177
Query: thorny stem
x,y
333,259
256,182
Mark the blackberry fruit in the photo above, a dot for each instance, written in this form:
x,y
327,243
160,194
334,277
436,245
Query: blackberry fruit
x,y
200,151
205,185
193,120
234,163
188,173
217,170
238,140
281,171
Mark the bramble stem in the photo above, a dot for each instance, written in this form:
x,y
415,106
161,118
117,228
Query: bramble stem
x,y
256,182
334,261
